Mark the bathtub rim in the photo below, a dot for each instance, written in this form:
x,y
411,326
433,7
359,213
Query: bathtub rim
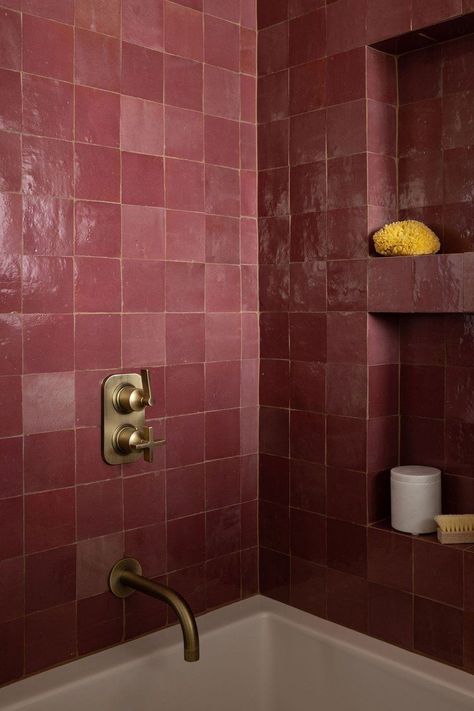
x,y
131,653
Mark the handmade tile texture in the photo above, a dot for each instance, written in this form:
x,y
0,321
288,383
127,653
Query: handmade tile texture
x,y
128,239
332,403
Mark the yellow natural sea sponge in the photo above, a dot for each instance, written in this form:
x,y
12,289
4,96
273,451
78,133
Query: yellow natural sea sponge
x,y
405,238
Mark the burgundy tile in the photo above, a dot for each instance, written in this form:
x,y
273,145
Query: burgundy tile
x,y
185,491
347,285
40,509
340,141
141,126
347,599
47,167
148,544
274,431
346,76
346,495
308,536
10,172
99,623
99,16
274,386
421,180
142,22
97,60
457,129
11,398
143,232
99,508
184,440
50,578
307,139
274,526
222,239
97,116
459,338
184,133
11,467
438,631
248,193
48,343
50,637
47,48
191,583
382,181
384,19
12,594
47,107
142,72
249,524
347,547
49,461
347,182
47,226
222,385
422,391
346,442
382,76
274,575
248,146
221,141
144,500
97,341
273,95
458,183
458,384
422,440
222,434
383,390
186,541
383,340
273,48
97,173
307,434
391,615
222,191
140,171
222,288
143,614
308,337
184,286
183,83
146,339
134,297
307,386
420,126
307,86
222,531
223,336
381,128
89,466
391,284
11,221
185,338
10,35
226,9
222,486
308,236
429,559
274,333
97,284
223,580
184,32
184,185
390,559
308,587
221,43
438,283
308,187
94,557
457,67
184,389
98,229
11,338
437,11
307,40
346,25
221,92
11,544
270,12
62,11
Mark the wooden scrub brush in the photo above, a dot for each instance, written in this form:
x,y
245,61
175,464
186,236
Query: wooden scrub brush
x,y
455,529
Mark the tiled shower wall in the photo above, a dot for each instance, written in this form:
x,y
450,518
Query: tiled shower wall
x,y
329,379
128,239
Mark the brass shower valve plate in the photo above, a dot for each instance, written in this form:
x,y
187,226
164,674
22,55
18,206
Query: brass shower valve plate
x,y
113,420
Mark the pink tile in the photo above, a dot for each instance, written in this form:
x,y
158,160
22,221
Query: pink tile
x,y
40,509
184,286
97,341
135,273
97,173
183,133
184,185
48,343
146,340
144,499
186,541
97,284
183,83
10,284
184,338
97,60
56,414
40,274
248,51
248,146
222,239
11,466
222,288
10,35
248,13
12,595
221,43
248,242
48,468
50,637
184,389
222,434
142,180
12,518
11,221
47,167
185,238
60,10
90,467
47,226
185,440
248,193
11,386
222,191
97,116
10,171
227,9
184,31
11,338
223,336
10,97
248,99
143,232
249,279
47,48
99,16
250,335
142,22
97,229
221,92
47,107
141,126
50,578
222,385
99,508
93,557
221,141
142,72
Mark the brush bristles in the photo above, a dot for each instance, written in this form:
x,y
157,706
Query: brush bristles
x,y
463,523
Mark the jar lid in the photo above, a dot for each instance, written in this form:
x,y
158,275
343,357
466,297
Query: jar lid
x,y
413,474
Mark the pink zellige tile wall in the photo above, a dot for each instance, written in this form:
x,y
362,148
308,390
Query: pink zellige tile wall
x,y
329,369
127,239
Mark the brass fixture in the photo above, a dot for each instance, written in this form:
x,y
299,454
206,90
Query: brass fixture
x,y
125,437
126,577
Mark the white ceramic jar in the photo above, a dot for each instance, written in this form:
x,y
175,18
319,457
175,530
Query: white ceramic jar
x,y
416,498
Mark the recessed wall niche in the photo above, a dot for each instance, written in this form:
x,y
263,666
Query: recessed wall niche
x,y
425,128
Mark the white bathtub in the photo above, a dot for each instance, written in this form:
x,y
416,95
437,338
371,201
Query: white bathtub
x,y
257,655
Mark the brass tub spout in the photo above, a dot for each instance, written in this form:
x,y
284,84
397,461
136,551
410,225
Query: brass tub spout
x,y
125,577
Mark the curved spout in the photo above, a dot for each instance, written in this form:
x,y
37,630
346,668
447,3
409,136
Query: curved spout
x,y
124,580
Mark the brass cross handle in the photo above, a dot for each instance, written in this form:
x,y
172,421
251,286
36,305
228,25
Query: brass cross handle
x,y
129,439
130,399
